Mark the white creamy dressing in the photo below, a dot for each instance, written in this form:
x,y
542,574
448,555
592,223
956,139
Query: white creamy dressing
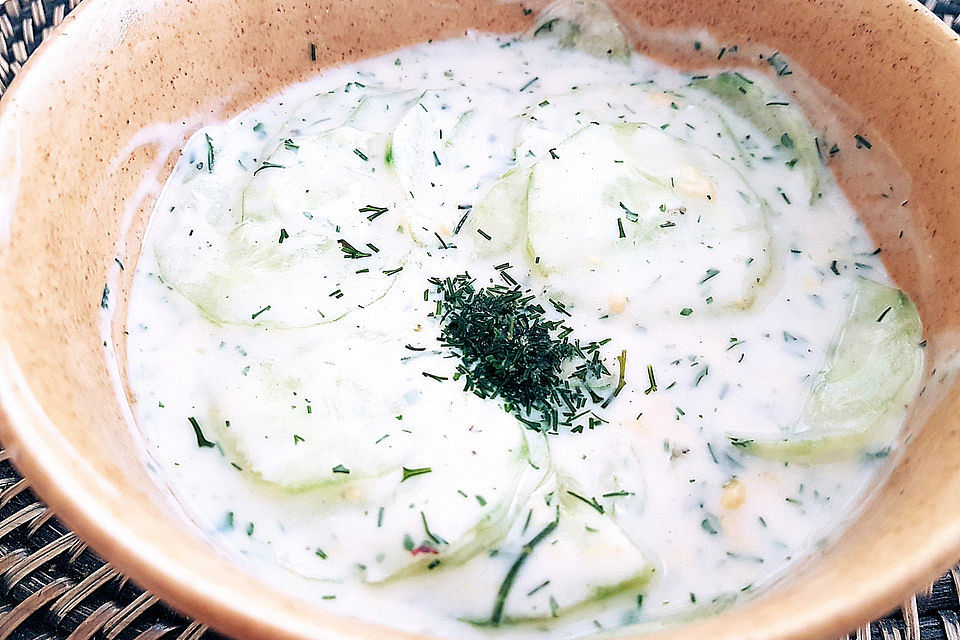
x,y
337,469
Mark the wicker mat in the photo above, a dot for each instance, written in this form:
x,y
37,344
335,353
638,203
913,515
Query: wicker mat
x,y
53,588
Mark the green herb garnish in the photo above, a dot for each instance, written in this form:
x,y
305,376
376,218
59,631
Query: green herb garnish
x,y
434,537
621,382
351,252
409,473
711,524
653,381
268,165
374,212
253,316
209,153
510,350
592,502
511,576
201,439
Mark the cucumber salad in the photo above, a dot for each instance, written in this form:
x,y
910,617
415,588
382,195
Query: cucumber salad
x,y
528,335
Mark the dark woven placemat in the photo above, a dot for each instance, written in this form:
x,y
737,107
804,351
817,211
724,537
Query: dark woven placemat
x,y
53,588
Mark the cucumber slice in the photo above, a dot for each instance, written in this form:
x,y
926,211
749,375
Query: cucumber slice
x,y
322,112
754,100
382,113
574,557
315,415
585,25
859,397
317,114
352,105
553,119
433,152
229,263
619,203
298,430
556,117
497,471
501,214
452,474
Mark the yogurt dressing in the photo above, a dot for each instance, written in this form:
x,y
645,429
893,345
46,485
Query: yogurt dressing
x,y
283,341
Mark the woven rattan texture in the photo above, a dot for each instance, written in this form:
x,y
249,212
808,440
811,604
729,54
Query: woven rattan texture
x,y
53,588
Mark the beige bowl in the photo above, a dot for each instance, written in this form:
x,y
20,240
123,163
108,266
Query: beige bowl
x,y
73,187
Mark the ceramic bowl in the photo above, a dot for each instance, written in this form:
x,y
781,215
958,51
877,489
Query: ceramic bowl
x,y
93,123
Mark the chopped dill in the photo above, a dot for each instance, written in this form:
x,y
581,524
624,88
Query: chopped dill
x,y
253,316
653,381
511,576
592,502
621,382
351,252
209,153
409,473
374,212
201,440
268,165
510,349
426,528
710,273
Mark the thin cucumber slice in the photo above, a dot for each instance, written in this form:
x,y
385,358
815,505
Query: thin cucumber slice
x,y
317,114
755,100
498,221
615,206
551,120
859,397
452,474
585,25
352,105
299,431
574,557
507,463
381,113
433,153
338,199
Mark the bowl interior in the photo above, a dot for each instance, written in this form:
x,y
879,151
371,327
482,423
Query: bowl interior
x,y
93,125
